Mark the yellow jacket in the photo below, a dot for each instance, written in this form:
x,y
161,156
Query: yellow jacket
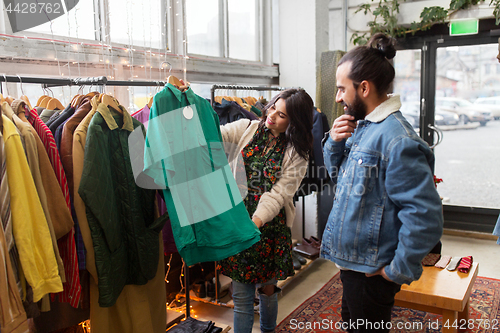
x,y
31,232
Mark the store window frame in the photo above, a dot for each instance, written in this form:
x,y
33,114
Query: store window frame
x,y
263,34
464,218
199,69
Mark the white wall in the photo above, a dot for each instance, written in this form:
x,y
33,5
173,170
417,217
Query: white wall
x,y
303,36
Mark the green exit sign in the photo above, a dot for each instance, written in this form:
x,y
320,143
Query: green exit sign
x,y
464,27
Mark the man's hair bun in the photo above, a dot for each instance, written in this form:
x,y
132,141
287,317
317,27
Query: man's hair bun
x,y
384,43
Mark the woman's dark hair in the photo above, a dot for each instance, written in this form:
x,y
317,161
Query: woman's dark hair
x,y
299,108
370,62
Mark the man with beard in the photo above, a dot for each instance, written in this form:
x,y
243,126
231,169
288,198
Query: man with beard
x,y
387,214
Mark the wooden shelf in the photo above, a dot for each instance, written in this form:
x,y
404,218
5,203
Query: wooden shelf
x,y
283,283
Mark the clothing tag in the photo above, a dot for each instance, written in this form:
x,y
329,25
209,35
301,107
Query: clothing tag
x,y
188,112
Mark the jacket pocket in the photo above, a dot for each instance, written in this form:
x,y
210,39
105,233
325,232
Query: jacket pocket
x,y
365,172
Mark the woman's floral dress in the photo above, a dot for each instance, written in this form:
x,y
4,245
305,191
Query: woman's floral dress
x,y
271,256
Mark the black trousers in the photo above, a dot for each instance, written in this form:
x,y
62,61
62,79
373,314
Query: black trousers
x,y
367,302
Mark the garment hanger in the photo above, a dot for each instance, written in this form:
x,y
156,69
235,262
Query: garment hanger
x,y
23,96
77,101
1,99
1,118
91,94
9,99
44,101
171,78
110,101
40,100
55,104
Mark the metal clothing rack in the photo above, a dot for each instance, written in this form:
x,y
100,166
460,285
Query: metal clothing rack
x,y
236,87
92,81
89,81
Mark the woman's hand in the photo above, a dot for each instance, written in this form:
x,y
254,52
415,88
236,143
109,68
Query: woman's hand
x,y
257,221
184,86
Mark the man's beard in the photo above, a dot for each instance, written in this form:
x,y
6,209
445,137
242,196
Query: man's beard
x,y
357,109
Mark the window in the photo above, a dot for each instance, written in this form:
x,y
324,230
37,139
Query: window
x,y
78,22
138,23
276,31
203,27
243,33
224,28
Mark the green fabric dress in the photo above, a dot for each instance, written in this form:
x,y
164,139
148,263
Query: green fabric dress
x,y
271,256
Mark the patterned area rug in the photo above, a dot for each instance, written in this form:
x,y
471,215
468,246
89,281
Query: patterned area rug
x,y
321,312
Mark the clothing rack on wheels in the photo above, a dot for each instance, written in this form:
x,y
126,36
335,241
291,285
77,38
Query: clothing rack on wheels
x,y
91,81
212,100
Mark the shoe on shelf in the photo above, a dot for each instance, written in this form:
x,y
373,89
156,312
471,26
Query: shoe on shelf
x,y
315,239
310,242
199,289
210,287
296,263
308,251
300,258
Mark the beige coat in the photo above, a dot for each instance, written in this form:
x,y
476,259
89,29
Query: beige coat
x,y
294,168
138,308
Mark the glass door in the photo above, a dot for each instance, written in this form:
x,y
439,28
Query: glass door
x,y
466,92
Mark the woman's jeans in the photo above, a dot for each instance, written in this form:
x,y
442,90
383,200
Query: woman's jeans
x,y
243,298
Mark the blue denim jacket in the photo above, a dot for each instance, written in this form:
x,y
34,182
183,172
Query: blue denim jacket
x,y
386,209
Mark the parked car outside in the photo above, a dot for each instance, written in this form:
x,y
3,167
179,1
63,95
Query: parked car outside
x,y
411,111
466,111
443,117
492,103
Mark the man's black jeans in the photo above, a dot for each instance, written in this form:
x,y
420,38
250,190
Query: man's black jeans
x,y
367,302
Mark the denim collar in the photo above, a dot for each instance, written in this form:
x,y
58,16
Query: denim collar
x,y
385,109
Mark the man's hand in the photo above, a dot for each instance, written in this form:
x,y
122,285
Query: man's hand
x,y
380,272
342,128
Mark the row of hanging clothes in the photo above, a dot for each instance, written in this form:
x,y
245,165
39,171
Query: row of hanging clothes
x,y
83,232
79,238
230,107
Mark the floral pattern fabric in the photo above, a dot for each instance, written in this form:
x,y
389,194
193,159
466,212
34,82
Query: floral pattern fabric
x,y
271,257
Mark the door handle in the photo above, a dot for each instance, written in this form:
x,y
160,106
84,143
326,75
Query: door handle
x,y
439,133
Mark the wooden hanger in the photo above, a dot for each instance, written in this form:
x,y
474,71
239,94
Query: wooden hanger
x,y
45,100
73,100
9,99
175,81
92,94
110,101
1,118
27,101
1,99
40,100
55,104
77,100
150,103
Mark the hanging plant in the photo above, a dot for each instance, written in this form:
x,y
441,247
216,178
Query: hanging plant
x,y
385,18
